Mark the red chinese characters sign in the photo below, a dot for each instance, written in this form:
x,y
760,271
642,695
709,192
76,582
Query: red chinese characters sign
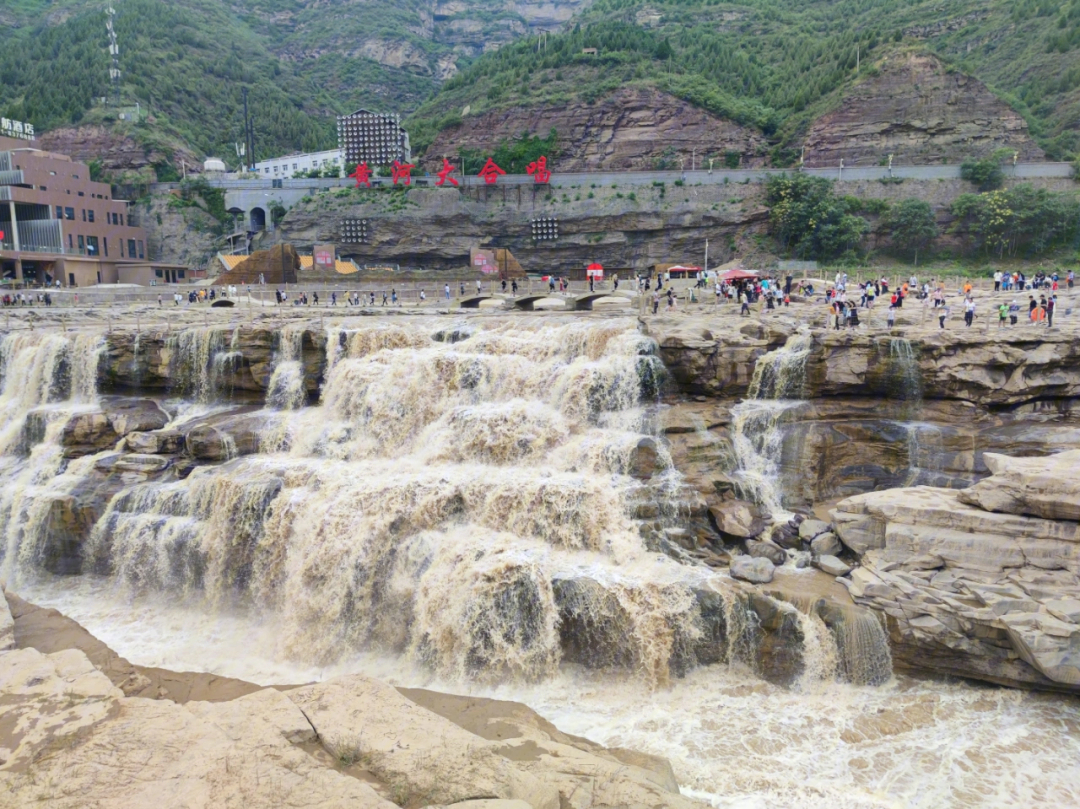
x,y
490,172
444,174
538,170
362,175
401,171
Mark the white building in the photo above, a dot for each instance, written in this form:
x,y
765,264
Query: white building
x,y
282,168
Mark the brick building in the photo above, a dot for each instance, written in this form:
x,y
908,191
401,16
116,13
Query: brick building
x,y
58,225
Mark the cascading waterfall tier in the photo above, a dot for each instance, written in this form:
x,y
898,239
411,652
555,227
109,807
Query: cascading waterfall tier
x,y
200,359
778,383
463,497
904,379
286,390
45,378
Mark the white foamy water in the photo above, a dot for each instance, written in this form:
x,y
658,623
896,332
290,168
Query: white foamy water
x,y
421,524
734,741
757,437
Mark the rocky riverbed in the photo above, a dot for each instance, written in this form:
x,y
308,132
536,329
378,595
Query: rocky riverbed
x,y
877,412
641,501
80,726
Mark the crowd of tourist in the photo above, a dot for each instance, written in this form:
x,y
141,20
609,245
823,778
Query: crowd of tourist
x,y
26,299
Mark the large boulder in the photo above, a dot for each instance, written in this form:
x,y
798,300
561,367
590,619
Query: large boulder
x,y
737,518
831,565
82,743
224,436
86,434
756,570
158,442
967,591
131,415
808,529
585,774
1040,487
645,459
766,550
826,545
90,431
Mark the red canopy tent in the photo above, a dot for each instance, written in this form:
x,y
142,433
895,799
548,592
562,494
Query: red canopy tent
x,y
738,275
595,271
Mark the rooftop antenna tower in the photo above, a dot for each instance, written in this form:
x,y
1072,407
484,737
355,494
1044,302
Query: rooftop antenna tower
x,y
114,51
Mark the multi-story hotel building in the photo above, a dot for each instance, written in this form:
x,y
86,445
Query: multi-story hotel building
x,y
58,225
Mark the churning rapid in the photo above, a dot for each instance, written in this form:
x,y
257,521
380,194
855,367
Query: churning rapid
x,y
485,505
489,501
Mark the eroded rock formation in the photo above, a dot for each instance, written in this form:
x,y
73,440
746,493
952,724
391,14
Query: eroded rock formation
x,y
634,128
72,737
433,228
875,410
982,582
919,111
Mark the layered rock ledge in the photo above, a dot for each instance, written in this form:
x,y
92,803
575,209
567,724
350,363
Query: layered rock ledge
x,y
982,582
73,735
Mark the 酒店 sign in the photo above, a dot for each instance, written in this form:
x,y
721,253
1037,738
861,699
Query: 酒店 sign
x,y
16,129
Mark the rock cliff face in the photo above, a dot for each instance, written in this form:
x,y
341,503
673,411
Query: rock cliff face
x,y
920,112
435,228
117,152
174,235
857,427
983,582
977,574
634,128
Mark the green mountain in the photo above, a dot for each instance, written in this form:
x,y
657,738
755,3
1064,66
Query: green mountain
x,y
778,64
771,65
304,62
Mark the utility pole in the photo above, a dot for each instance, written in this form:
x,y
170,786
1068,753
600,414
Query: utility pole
x,y
114,51
249,134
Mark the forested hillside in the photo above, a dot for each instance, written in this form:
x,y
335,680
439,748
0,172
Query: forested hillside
x,y
304,62
186,62
776,64
773,65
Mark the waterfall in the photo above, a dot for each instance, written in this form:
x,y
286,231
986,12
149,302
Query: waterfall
x,y
924,454
427,505
863,648
904,379
841,641
200,361
464,498
45,378
286,390
778,383
781,374
40,368
821,653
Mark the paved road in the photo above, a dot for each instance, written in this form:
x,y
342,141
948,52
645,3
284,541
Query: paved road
x,y
246,194
644,178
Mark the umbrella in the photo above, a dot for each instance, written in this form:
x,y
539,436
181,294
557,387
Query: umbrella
x,y
595,266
